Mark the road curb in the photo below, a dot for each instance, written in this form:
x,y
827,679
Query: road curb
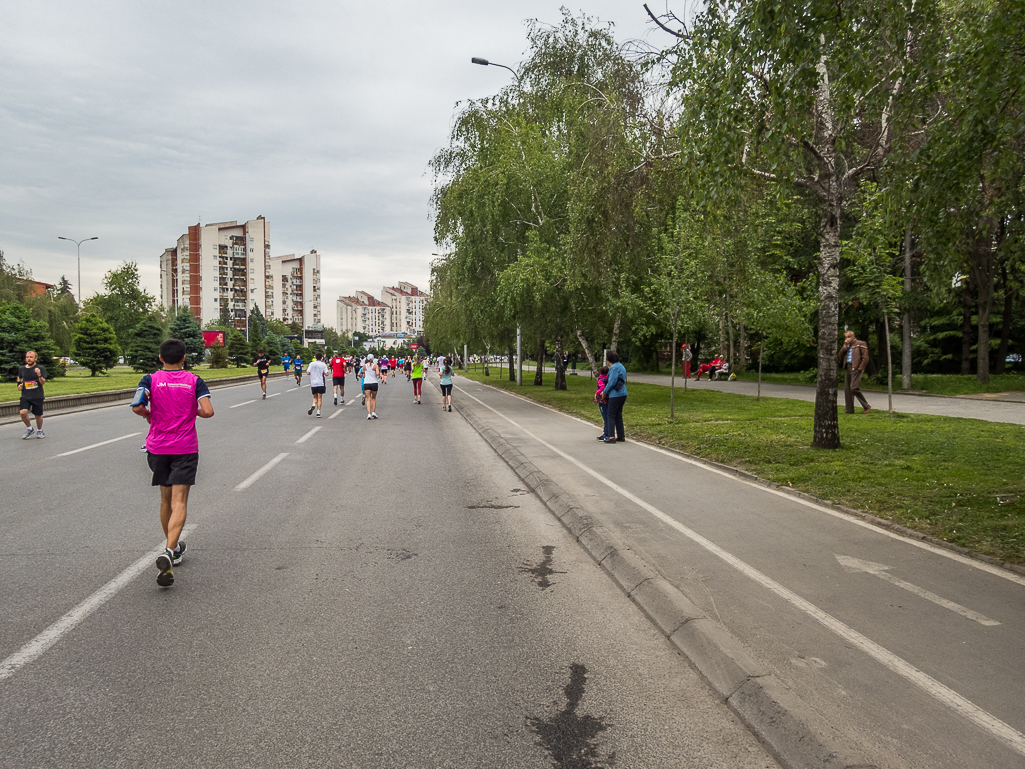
x,y
776,717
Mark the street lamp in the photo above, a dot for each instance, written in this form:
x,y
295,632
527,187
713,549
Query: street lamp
x,y
78,245
485,63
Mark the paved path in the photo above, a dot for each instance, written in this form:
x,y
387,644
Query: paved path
x,y
906,654
355,594
996,407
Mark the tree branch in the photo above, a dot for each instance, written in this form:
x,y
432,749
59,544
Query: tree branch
x,y
664,27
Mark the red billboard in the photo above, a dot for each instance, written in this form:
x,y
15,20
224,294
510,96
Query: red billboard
x,y
213,338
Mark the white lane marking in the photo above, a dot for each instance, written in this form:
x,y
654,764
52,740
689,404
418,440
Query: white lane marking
x,y
260,473
38,645
336,413
945,695
243,403
309,434
996,571
879,570
95,445
273,395
292,390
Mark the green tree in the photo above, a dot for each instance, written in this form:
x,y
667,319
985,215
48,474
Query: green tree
x,y
124,304
19,333
185,328
64,286
238,349
272,347
144,350
800,94
257,324
218,356
95,344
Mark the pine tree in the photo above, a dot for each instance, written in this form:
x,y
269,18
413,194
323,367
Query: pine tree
x,y
185,328
94,344
64,286
257,323
238,349
144,349
19,333
218,356
272,346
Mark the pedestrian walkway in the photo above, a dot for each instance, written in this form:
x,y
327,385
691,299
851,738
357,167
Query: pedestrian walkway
x,y
886,641
990,407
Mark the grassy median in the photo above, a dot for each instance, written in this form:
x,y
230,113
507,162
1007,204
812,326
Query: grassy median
x,y
122,378
962,480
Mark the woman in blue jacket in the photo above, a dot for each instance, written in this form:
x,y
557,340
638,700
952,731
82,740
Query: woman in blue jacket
x,y
615,391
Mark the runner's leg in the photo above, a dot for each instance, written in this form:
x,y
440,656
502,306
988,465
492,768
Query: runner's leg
x,y
174,502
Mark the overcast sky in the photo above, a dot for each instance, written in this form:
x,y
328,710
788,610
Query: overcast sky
x,y
131,120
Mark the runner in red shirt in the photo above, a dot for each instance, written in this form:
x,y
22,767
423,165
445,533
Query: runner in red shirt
x,y
338,377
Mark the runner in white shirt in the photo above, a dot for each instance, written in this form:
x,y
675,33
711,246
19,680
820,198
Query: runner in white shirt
x,y
371,375
318,384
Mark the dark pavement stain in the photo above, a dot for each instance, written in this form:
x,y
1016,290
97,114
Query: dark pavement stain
x,y
569,737
519,492
401,554
490,506
543,570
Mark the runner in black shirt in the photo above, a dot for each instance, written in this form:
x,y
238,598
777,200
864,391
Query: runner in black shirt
x,y
31,378
262,364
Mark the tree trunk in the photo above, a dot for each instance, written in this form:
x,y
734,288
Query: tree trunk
x,y
487,354
587,351
560,366
905,352
742,352
889,364
761,354
966,327
539,371
672,379
512,364
985,281
826,432
1005,329
615,332
882,343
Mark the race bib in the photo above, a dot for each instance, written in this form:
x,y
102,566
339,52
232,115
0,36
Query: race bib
x,y
31,385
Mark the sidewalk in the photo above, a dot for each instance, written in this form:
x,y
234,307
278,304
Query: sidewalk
x,y
991,407
893,651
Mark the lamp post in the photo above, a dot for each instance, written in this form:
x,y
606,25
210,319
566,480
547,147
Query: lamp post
x,y
519,331
78,246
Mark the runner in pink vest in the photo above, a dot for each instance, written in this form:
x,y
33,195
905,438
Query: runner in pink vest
x,y
170,399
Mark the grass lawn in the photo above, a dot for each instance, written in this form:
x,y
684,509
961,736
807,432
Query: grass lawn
x,y
121,378
962,480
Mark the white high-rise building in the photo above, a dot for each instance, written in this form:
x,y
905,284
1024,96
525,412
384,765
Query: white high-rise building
x,y
219,266
407,304
296,292
362,313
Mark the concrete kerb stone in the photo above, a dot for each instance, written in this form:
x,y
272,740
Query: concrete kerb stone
x,y
768,710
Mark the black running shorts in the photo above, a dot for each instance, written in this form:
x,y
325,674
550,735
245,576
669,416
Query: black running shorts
x,y
321,389
173,469
30,404
338,380
370,386
446,390
262,374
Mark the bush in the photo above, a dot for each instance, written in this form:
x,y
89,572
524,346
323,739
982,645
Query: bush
x,y
94,344
218,357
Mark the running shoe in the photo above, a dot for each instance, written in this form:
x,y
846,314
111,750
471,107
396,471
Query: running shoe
x,y
318,415
369,417
142,448
29,431
373,414
342,401
336,401
179,552
311,410
364,399
165,577
265,396
450,409
41,434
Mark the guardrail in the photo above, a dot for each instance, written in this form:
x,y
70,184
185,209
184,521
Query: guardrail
x,y
58,403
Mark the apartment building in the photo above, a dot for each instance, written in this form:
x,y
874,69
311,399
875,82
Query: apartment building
x,y
296,295
219,266
364,314
407,305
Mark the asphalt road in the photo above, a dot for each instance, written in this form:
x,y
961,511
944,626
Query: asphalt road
x,y
908,655
384,594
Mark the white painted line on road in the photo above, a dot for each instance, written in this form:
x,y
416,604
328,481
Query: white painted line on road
x,y
996,571
95,445
292,390
945,695
38,645
273,395
260,473
309,434
336,413
879,570
243,403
